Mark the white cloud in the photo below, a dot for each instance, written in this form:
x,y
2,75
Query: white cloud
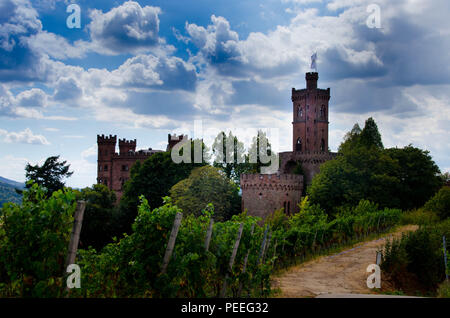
x,y
125,28
26,137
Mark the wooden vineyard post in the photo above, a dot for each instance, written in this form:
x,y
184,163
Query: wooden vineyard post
x,y
263,245
267,246
233,256
75,235
244,268
444,244
313,246
208,234
172,239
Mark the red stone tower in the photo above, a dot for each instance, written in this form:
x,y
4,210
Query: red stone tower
x,y
126,146
310,117
106,151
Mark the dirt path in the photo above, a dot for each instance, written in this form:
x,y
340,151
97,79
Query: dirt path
x,y
343,273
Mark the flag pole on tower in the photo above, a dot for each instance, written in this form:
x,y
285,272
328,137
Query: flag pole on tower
x,y
313,61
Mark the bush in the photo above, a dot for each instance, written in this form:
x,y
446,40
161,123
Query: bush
x,y
34,237
418,256
440,203
419,217
444,290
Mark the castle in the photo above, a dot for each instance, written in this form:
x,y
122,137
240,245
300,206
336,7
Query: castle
x,y
113,169
263,194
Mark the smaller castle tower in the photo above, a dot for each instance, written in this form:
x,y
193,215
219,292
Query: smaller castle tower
x,y
106,150
126,146
172,140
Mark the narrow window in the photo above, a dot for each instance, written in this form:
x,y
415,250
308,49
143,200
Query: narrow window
x,y
298,146
105,168
322,145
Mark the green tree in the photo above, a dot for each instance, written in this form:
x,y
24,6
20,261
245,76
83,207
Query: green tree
x,y
231,160
260,144
152,178
34,237
440,203
207,185
370,136
50,175
99,221
418,175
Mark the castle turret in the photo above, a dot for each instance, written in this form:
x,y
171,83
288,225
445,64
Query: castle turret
x,y
310,116
106,150
126,146
172,140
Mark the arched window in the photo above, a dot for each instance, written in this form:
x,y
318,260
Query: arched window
x,y
300,112
323,112
298,146
322,145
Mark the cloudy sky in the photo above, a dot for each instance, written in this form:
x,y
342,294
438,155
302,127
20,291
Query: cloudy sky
x,y
145,69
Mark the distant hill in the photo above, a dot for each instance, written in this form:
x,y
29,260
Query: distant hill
x,y
8,191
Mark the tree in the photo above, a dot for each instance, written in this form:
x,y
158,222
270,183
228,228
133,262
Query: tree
x,y
398,178
440,203
231,160
418,175
50,175
98,221
370,136
152,178
260,144
207,185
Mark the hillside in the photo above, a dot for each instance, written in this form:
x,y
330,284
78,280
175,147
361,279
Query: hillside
x,y
8,192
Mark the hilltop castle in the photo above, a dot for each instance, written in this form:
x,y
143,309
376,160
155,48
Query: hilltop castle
x,y
113,169
263,194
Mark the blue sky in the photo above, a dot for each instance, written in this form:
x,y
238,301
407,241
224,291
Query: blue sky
x,y
148,68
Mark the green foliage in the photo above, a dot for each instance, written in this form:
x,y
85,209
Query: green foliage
x,y
370,136
418,176
152,178
396,178
99,220
440,203
231,160
417,258
50,175
419,217
33,241
444,290
207,185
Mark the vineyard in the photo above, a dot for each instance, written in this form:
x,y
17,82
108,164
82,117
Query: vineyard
x,y
234,258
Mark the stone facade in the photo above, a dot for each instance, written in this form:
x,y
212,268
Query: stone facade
x,y
263,194
113,169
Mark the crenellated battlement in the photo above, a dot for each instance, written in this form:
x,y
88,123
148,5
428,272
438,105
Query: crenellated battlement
x,y
102,139
259,177
127,142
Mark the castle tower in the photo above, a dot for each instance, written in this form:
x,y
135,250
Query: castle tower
x,y
106,150
126,146
310,117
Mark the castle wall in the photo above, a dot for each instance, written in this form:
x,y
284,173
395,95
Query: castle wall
x,y
262,194
310,162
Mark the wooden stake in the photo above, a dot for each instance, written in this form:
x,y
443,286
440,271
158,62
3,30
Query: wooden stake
x,y
171,244
233,256
263,245
244,269
208,234
75,235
